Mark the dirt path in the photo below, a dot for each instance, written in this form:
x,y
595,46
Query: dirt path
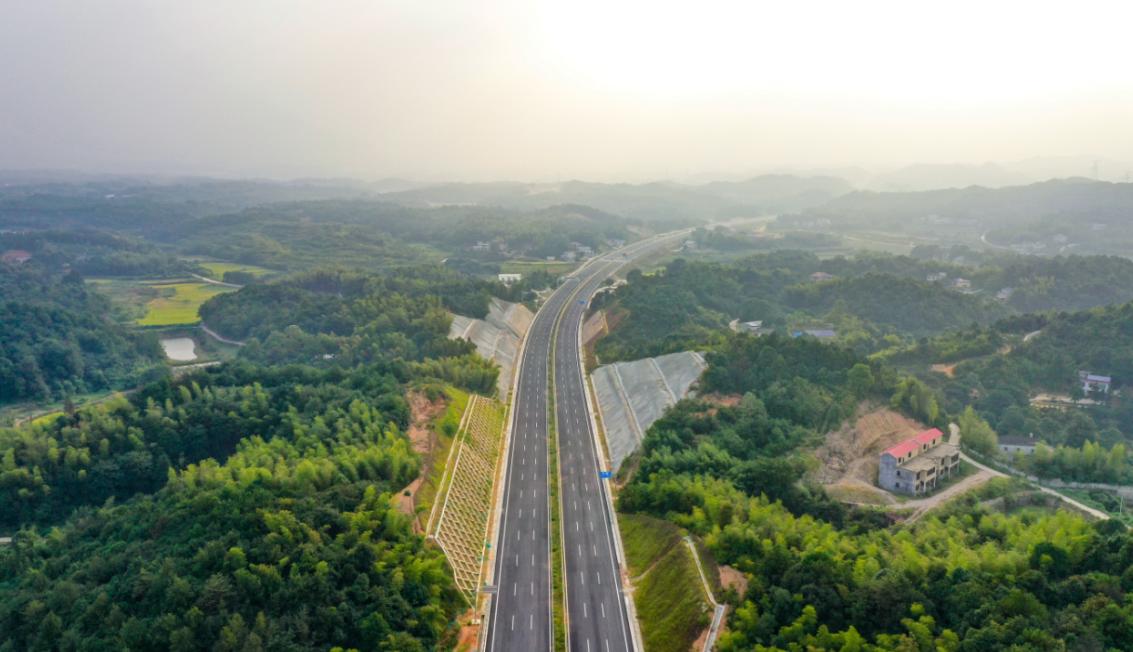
x,y
218,337
984,474
923,505
213,281
1046,490
718,609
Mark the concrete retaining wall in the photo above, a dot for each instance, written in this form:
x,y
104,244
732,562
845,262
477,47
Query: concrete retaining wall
x,y
496,337
632,395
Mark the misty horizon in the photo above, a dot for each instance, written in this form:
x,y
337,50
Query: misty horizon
x,y
547,92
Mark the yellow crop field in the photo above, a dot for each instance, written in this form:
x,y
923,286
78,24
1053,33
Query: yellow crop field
x,y
217,269
177,303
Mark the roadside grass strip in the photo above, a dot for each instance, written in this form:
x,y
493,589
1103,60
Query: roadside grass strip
x,y
462,526
668,593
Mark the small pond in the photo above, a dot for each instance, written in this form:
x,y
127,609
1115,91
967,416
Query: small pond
x,y
179,349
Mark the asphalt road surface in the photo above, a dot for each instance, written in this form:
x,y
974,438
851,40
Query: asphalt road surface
x,y
596,614
520,617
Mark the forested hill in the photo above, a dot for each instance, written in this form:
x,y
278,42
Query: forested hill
x,y
689,304
871,301
271,528
58,338
96,253
294,236
1048,218
343,319
1004,373
989,207
824,576
247,506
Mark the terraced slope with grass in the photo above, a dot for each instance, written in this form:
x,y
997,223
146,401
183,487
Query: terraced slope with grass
x,y
462,522
668,594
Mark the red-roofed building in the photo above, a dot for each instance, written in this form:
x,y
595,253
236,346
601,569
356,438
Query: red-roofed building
x,y
15,256
916,465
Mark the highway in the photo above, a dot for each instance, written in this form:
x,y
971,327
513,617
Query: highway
x,y
520,617
596,615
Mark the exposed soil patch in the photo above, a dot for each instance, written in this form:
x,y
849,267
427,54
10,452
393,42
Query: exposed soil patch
x,y
423,439
422,412
848,459
723,400
946,369
469,635
698,644
718,401
730,578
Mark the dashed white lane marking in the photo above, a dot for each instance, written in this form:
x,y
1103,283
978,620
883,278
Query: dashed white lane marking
x,y
513,622
582,576
517,561
599,575
603,606
513,589
532,625
533,560
584,613
533,588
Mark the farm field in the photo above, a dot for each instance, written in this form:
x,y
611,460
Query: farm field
x,y
177,303
157,302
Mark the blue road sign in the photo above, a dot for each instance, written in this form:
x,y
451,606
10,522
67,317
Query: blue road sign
x,y
605,474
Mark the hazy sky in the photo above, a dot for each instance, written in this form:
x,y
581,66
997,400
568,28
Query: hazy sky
x,y
597,89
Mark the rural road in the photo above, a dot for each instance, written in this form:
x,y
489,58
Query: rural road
x,y
520,616
218,337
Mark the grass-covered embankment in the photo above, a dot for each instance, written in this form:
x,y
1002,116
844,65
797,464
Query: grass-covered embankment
x,y
670,600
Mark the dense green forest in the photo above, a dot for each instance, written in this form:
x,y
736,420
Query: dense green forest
x,y
998,374
247,506
59,340
826,576
283,538
92,252
337,318
871,301
294,236
689,304
1052,217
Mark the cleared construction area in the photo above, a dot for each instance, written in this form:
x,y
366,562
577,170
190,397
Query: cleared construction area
x,y
496,337
632,395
